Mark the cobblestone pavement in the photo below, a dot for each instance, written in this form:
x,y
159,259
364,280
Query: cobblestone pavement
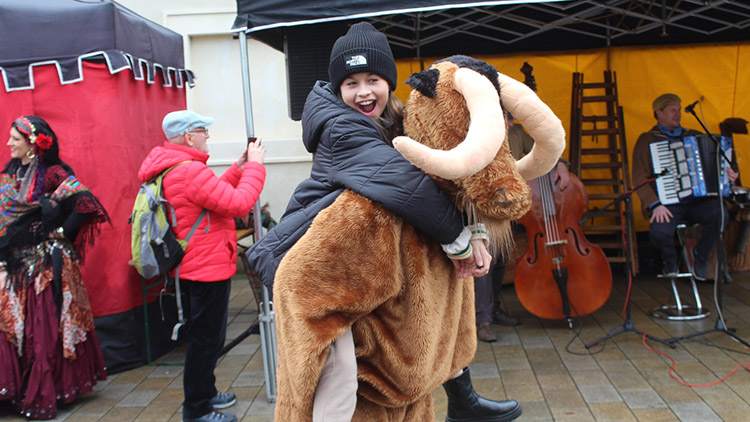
x,y
541,363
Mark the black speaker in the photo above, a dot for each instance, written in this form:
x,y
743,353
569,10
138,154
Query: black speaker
x,y
307,49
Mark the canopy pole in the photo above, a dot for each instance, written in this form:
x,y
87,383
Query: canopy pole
x,y
266,316
418,24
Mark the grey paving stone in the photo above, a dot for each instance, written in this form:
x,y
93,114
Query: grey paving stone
x,y
166,371
694,412
138,398
599,394
642,399
116,391
484,370
244,349
249,379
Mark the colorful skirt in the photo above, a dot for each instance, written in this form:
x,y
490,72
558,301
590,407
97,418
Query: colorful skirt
x,y
49,351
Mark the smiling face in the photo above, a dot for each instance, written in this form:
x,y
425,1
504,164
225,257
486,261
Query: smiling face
x,y
18,146
366,93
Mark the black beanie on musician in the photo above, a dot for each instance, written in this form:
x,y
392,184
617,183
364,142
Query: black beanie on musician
x,y
362,49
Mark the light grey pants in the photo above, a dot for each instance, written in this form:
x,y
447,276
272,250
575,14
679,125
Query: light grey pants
x,y
336,394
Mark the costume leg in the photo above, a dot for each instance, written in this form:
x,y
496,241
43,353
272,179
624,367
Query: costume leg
x,y
336,393
206,331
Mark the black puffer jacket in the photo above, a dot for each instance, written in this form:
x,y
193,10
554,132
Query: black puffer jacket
x,y
349,153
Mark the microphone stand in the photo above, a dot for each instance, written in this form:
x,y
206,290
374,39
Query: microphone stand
x,y
721,255
628,325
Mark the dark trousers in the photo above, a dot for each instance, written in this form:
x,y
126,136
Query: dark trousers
x,y
702,211
205,332
487,291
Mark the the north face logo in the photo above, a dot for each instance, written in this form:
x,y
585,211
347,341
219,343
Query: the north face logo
x,y
358,60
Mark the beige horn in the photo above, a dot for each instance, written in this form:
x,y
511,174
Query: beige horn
x,y
483,140
541,123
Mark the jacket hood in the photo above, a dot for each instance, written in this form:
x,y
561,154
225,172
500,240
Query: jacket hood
x,y
165,156
321,107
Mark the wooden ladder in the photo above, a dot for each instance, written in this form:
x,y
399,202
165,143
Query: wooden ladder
x,y
599,157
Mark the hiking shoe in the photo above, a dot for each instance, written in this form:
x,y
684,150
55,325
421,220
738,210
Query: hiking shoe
x,y
699,268
223,400
486,333
214,416
501,318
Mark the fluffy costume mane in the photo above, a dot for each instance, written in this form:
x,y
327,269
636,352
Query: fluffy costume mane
x,y
466,153
361,266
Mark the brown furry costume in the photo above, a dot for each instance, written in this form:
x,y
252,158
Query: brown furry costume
x,y
360,266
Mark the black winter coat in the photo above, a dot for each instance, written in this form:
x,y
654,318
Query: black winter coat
x,y
349,153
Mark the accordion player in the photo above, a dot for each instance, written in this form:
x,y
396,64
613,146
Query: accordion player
x,y
692,167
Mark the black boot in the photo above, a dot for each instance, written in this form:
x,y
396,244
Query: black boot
x,y
465,405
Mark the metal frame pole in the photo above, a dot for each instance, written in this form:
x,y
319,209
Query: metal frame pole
x,y
266,317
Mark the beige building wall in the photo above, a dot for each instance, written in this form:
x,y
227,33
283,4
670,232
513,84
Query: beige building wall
x,y
213,55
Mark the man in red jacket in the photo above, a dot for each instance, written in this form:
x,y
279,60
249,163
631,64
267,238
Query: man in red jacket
x,y
211,255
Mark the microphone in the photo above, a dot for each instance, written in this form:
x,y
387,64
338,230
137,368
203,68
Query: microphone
x,y
689,109
664,172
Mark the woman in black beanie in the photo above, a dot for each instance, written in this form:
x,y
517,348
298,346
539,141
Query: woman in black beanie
x,y
348,124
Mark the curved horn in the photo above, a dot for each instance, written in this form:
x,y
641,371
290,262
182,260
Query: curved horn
x,y
540,121
483,140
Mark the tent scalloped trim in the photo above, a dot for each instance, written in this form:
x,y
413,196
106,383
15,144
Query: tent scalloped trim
x,y
21,77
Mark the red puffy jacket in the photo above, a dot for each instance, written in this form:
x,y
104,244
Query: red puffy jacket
x,y
191,187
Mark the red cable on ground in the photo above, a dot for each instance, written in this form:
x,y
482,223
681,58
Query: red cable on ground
x,y
674,363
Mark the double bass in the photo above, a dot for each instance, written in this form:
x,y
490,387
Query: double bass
x,y
561,275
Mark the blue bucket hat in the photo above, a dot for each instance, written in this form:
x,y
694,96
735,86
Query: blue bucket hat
x,y
181,122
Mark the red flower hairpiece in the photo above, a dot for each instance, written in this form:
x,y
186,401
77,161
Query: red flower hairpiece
x,y
43,141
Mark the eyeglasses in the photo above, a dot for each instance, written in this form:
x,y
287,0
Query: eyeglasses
x,y
204,131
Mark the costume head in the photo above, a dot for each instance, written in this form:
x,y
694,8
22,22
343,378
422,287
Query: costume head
x,y
181,122
455,128
362,49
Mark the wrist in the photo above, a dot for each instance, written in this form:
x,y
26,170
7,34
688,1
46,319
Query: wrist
x,y
462,254
479,231
461,247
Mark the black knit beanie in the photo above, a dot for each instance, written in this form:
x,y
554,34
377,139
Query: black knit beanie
x,y
362,49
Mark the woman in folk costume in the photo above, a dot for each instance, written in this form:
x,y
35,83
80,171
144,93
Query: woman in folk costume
x,y
49,352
